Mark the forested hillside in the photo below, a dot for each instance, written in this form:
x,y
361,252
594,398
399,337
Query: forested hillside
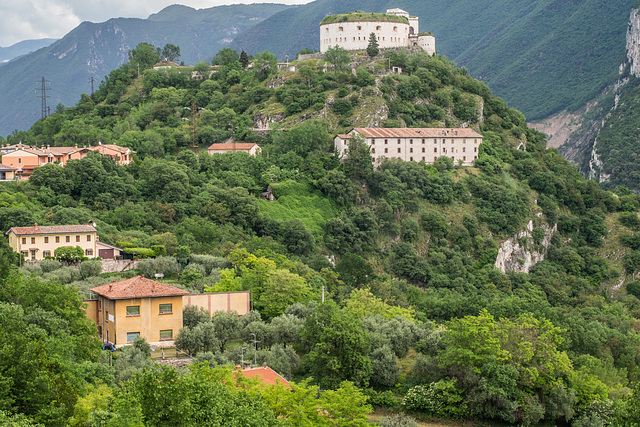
x,y
421,321
94,49
540,56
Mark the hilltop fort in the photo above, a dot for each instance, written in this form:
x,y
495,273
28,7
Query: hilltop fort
x,y
393,29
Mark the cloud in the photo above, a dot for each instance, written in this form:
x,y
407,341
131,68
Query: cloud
x,y
34,19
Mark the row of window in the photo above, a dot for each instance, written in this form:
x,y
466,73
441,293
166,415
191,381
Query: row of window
x,y
134,310
165,334
87,252
464,159
378,28
435,150
386,141
344,39
57,238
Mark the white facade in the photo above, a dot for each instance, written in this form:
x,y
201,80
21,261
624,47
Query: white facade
x,y
354,34
416,144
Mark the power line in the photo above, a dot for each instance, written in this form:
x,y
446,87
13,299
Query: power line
x,y
43,89
91,79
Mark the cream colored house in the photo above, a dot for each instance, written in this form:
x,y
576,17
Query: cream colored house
x,y
232,147
38,242
416,144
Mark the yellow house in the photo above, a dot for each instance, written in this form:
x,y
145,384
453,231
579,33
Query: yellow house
x,y
137,307
142,307
38,242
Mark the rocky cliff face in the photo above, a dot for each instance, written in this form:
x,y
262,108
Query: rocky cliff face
x,y
522,252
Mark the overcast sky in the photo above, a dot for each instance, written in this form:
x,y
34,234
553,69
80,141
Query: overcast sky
x,y
36,19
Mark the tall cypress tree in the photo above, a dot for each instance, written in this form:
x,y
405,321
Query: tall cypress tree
x,y
244,59
372,49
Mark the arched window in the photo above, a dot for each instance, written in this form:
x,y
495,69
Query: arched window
x,y
359,28
378,28
395,28
340,29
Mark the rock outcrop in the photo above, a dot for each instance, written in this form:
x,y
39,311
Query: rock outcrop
x,y
521,252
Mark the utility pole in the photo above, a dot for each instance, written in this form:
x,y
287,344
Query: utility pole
x,y
43,89
91,79
195,112
255,350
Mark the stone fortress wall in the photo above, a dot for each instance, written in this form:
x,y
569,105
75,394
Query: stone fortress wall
x,y
352,33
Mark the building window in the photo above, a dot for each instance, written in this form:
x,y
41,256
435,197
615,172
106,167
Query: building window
x,y
89,252
88,237
464,158
399,150
24,240
423,140
411,150
57,239
166,308
67,239
19,159
131,336
77,238
46,239
386,150
386,141
423,159
464,149
359,28
373,141
46,253
398,141
340,28
33,240
395,28
435,149
423,149
373,151
133,310
166,334
378,28
411,158
411,141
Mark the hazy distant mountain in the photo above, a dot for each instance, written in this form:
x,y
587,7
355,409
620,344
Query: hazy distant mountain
x,y
94,49
22,48
540,55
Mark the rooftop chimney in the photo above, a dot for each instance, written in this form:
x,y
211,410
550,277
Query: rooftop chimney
x,y
110,287
35,225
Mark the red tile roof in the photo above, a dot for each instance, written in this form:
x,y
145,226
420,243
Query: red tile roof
x,y
418,132
344,136
53,229
137,287
232,146
113,147
266,374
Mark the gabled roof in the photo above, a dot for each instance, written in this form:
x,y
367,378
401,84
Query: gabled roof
x,y
418,132
52,229
113,147
108,245
234,146
266,375
137,287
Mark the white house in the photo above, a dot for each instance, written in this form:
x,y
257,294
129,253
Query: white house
x,y
416,144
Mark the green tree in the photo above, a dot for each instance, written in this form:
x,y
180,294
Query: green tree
x,y
227,326
225,56
144,56
69,254
339,348
372,47
244,59
170,52
339,57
